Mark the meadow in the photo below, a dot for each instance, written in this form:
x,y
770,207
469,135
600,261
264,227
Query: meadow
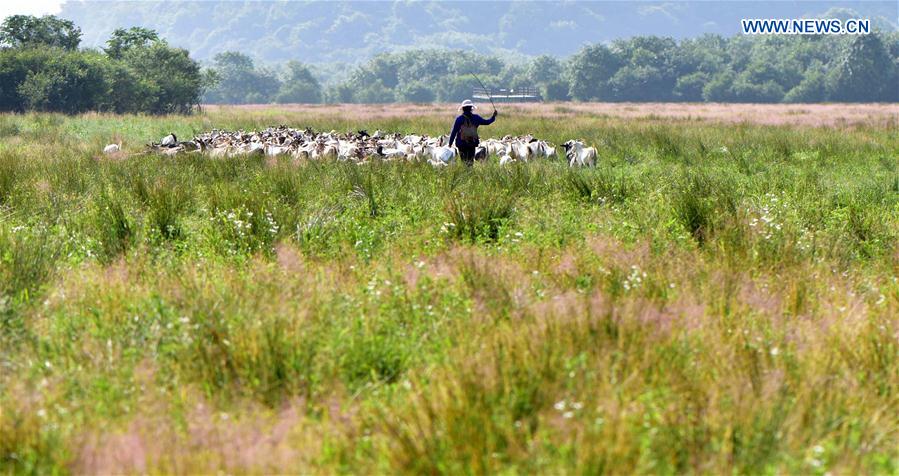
x,y
716,297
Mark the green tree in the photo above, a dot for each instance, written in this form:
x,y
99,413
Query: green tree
x,y
239,82
689,87
864,72
123,40
339,93
299,86
69,82
14,68
590,71
23,31
544,69
648,72
742,90
457,88
374,93
423,66
556,90
719,88
124,92
706,54
417,92
168,80
811,89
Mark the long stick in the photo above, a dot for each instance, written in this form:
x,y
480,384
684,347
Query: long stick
x,y
485,90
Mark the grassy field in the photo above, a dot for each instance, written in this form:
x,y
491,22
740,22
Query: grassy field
x,y
713,298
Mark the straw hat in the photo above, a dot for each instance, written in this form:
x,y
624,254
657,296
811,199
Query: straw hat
x,y
467,103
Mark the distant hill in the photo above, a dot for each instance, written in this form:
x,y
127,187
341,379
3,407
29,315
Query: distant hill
x,y
353,31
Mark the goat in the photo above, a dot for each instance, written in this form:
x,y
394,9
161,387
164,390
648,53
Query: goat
x,y
578,155
440,155
358,146
480,153
506,159
521,151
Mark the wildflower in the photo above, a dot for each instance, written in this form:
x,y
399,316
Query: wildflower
x,y
560,405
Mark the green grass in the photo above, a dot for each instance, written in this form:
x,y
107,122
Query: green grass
x,y
709,299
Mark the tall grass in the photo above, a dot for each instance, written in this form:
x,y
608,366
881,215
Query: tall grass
x,y
115,229
478,217
710,298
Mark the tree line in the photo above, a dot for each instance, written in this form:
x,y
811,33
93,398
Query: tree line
x,y
43,69
711,68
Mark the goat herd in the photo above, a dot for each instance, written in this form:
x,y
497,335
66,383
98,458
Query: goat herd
x,y
361,147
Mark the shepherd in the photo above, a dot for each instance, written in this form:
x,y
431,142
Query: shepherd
x,y
465,131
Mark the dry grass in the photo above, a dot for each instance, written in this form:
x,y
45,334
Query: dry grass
x,y
807,115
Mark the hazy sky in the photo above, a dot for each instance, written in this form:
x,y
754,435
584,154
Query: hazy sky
x,y
29,7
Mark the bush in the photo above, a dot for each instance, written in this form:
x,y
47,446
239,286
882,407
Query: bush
x,y
156,79
169,80
68,82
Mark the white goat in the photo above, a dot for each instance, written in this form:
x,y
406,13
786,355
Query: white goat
x,y
521,151
440,155
169,140
506,159
578,155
